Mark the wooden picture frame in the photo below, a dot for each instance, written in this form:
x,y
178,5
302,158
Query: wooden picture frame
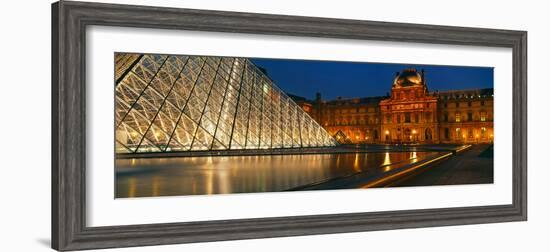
x,y
69,21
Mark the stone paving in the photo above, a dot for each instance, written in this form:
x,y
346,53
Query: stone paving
x,y
466,167
473,166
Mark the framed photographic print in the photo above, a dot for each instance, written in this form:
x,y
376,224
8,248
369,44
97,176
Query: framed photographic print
x,y
176,125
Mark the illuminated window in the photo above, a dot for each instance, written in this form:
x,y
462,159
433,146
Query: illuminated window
x,y
458,133
483,132
470,133
457,117
483,116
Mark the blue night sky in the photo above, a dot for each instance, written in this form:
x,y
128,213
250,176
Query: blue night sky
x,y
361,79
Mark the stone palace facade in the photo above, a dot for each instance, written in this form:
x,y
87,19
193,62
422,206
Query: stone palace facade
x,y
409,114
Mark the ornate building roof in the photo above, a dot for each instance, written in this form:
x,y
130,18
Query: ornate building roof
x,y
468,93
407,78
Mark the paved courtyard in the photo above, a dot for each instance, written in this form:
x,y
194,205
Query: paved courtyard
x,y
474,166
471,166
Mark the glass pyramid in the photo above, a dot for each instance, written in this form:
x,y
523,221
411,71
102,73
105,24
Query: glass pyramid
x,y
167,103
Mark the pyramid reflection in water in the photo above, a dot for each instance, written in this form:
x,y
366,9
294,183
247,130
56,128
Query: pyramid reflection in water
x,y
168,103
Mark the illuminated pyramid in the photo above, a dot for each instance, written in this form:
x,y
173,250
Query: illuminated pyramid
x,y
186,103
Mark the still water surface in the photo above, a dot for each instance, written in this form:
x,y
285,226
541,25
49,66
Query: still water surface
x,y
244,174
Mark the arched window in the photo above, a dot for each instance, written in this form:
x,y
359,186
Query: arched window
x,y
428,134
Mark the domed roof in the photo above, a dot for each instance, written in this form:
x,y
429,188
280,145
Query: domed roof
x,y
408,77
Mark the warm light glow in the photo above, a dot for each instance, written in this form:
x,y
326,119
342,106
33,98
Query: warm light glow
x,y
388,178
387,160
356,163
413,156
387,132
132,187
143,129
414,131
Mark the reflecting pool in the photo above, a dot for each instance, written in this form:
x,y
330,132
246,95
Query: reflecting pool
x,y
147,177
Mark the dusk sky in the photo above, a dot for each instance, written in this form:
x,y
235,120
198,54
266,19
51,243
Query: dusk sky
x,y
358,79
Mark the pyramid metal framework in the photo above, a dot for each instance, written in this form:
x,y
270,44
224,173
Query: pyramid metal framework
x,y
168,103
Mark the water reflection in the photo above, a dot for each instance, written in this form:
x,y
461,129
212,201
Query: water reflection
x,y
244,174
387,159
413,156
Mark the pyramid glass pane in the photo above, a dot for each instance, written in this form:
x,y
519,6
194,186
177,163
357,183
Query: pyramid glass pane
x,y
167,103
